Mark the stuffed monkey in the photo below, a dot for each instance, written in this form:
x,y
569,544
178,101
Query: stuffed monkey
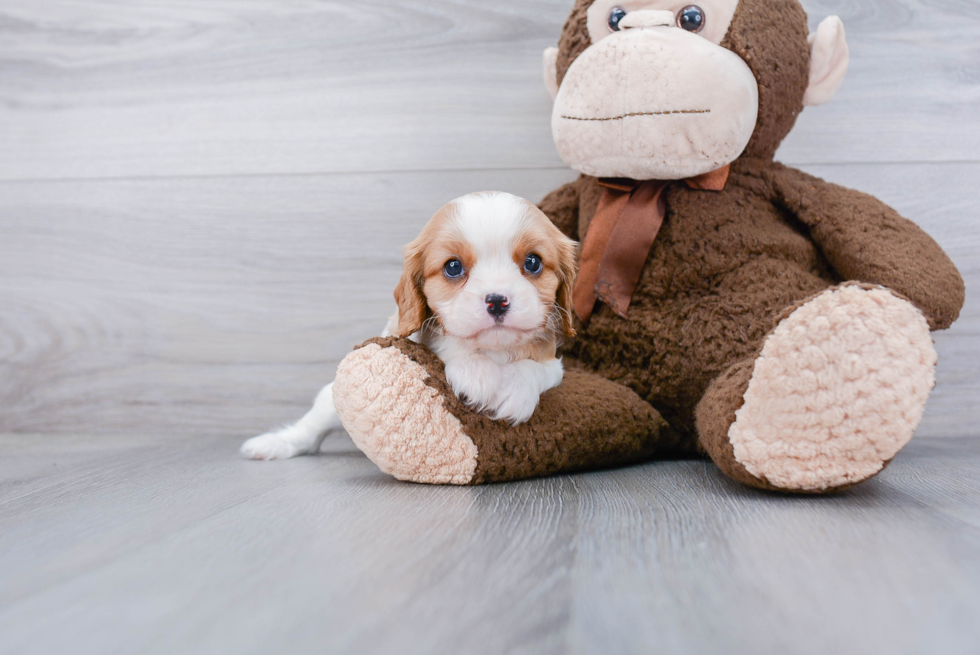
x,y
726,305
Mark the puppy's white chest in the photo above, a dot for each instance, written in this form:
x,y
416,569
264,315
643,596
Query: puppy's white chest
x,y
505,391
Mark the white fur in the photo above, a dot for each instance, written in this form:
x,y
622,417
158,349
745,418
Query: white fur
x,y
301,438
476,348
491,223
491,382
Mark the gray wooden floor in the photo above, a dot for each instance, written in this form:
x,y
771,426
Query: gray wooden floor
x,y
117,544
201,211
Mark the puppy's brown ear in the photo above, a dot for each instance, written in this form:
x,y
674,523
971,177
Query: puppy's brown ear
x,y
412,307
566,281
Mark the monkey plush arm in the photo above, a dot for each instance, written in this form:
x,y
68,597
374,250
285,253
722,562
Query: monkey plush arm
x,y
865,240
561,206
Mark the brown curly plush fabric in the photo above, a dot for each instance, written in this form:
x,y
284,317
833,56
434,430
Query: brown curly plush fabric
x,y
780,62
574,37
568,432
726,265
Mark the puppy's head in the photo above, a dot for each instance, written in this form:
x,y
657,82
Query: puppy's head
x,y
491,268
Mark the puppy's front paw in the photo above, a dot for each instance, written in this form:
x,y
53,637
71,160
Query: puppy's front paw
x,y
515,403
475,380
274,445
521,387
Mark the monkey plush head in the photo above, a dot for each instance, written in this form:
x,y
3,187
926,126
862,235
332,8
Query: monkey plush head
x,y
667,90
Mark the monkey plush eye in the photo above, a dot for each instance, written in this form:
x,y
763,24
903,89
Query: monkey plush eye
x,y
453,269
533,264
615,16
691,18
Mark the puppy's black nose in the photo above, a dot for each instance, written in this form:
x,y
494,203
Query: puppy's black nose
x,y
497,306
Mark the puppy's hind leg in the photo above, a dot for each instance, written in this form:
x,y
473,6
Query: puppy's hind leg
x,y
305,436
301,438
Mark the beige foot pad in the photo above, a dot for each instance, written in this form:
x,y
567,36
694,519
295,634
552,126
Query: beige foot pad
x,y
398,421
839,389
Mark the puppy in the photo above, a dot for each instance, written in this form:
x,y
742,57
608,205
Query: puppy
x,y
487,286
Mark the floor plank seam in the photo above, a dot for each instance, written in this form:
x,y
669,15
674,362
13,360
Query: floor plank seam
x,y
427,171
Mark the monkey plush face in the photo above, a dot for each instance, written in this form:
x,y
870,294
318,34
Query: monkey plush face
x,y
655,96
664,89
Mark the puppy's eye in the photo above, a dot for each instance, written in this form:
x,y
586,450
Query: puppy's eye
x,y
453,269
533,264
615,16
691,18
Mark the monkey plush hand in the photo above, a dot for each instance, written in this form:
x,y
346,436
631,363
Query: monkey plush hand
x,y
726,305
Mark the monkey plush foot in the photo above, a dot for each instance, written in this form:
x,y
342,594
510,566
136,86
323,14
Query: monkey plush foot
x,y
393,398
400,422
838,390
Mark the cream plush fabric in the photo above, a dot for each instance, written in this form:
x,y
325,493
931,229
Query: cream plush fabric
x,y
839,389
624,109
398,421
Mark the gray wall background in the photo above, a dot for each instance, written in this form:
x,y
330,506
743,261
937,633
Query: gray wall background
x,y
202,204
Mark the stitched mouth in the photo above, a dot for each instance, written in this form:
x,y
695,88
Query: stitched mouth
x,y
641,113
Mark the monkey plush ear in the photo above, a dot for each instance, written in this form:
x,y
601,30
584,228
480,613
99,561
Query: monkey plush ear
x,y
551,71
412,306
829,57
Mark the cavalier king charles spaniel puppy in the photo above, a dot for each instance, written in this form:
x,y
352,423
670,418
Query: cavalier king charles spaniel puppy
x,y
487,286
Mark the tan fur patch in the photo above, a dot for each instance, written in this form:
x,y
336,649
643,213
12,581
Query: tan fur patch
x,y
540,350
422,279
555,282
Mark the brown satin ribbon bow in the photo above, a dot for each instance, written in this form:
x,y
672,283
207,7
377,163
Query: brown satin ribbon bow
x,y
622,232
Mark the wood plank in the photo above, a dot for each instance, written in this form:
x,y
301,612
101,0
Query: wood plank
x,y
170,546
183,304
113,89
221,305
